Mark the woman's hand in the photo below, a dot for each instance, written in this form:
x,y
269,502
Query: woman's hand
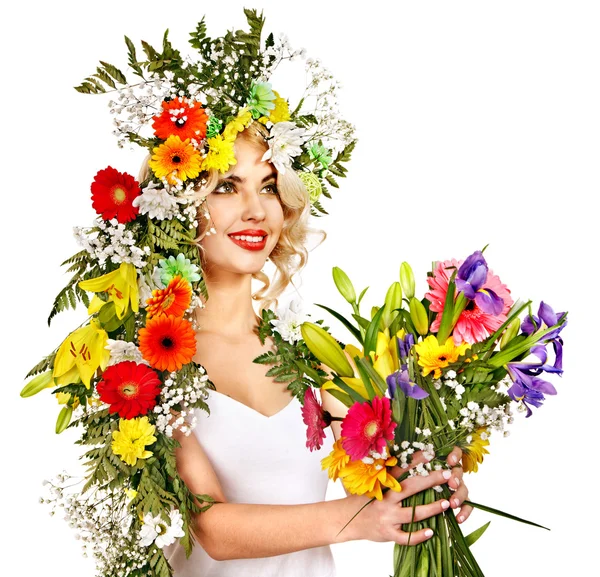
x,y
380,521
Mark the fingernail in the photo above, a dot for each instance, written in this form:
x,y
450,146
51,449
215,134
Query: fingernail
x,y
456,502
428,533
446,474
461,518
453,458
445,504
457,481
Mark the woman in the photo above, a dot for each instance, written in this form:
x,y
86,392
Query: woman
x,y
250,452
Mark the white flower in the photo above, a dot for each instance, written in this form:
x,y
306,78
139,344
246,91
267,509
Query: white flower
x,y
156,202
285,143
155,530
288,323
123,351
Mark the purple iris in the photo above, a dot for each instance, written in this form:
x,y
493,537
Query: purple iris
x,y
534,369
401,379
527,388
470,279
546,315
405,344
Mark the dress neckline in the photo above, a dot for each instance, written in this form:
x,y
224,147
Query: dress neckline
x,y
260,415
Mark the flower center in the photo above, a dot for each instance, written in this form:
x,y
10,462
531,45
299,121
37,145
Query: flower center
x,y
176,159
371,428
442,358
168,301
129,389
180,122
167,342
118,195
161,528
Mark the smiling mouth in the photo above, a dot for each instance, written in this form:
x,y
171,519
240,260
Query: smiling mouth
x,y
249,242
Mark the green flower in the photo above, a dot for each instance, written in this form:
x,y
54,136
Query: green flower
x,y
170,268
319,153
313,185
213,127
261,99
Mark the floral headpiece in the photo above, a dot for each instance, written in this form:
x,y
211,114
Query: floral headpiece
x,y
127,375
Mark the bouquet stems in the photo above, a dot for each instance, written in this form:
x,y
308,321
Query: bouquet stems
x,y
446,554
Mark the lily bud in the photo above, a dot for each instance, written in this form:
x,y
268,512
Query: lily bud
x,y
393,300
407,280
418,315
326,348
37,384
510,332
64,418
344,284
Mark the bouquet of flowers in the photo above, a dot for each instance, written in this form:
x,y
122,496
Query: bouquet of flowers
x,y
433,373
127,377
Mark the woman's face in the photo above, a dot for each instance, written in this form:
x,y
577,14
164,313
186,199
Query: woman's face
x,y
246,199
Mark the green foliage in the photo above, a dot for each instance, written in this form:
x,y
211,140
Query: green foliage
x,y
293,363
45,364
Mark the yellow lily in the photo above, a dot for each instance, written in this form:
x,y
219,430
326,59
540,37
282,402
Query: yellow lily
x,y
121,286
80,355
385,361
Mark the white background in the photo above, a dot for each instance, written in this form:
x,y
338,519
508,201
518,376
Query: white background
x,y
478,123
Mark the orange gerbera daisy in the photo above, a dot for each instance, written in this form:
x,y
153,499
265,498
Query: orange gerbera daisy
x,y
181,117
173,300
336,460
167,342
175,158
362,478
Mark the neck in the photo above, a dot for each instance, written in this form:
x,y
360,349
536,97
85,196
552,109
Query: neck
x,y
228,311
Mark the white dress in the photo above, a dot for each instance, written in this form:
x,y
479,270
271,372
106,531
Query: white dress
x,y
260,460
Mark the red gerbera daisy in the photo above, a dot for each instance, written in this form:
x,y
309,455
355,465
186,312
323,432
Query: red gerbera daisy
x,y
173,300
113,193
367,426
181,117
167,342
130,389
316,420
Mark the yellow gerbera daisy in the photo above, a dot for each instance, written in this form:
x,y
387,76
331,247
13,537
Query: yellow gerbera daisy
x,y
220,154
367,479
130,441
239,123
175,158
434,357
336,461
280,113
473,453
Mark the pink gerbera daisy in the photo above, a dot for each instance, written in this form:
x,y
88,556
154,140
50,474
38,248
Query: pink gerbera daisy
x,y
316,420
367,426
473,325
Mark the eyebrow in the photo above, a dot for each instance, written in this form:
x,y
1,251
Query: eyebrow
x,y
235,178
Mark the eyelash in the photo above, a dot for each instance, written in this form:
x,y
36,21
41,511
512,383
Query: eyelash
x,y
273,186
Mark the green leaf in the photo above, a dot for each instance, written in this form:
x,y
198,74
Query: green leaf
x,y
198,35
356,397
132,58
355,332
472,537
503,514
371,334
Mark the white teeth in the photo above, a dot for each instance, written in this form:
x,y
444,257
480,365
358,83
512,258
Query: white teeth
x,y
249,238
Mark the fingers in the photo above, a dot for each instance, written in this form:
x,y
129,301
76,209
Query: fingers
x,y
408,515
463,513
454,456
418,483
414,538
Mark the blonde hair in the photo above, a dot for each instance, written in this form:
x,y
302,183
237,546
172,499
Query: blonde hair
x,y
290,254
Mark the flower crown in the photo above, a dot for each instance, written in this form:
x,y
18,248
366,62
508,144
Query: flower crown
x,y
187,112
127,375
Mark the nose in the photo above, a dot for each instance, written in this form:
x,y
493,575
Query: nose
x,y
253,208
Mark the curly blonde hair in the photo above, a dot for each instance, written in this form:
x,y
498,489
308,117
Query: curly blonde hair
x,y
290,254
